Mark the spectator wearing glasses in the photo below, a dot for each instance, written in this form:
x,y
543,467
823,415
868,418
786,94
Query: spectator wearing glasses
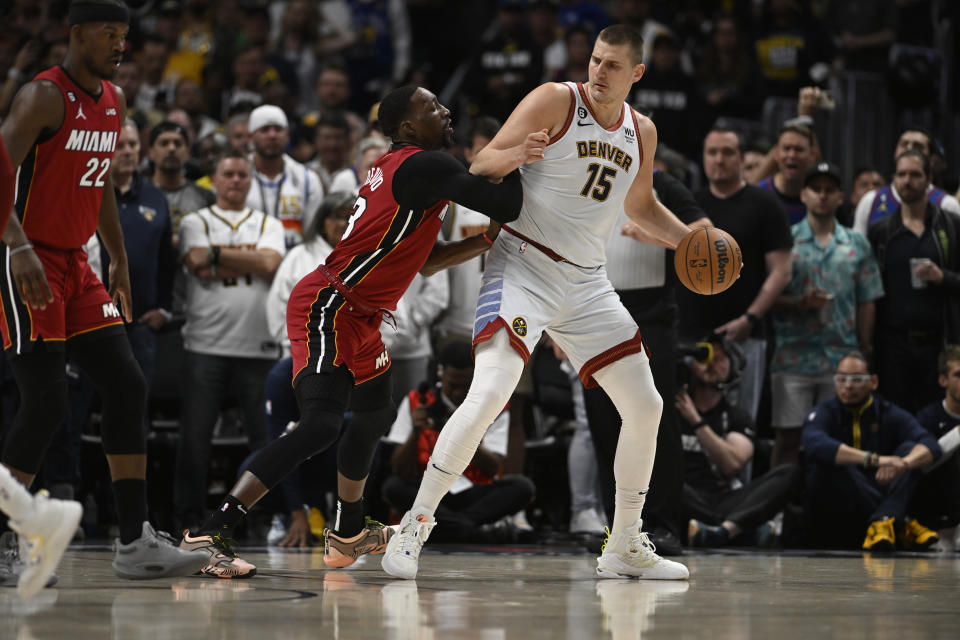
x,y
863,456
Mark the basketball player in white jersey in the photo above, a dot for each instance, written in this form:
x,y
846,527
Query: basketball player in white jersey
x,y
545,272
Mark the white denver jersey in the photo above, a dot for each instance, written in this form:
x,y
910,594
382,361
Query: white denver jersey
x,y
572,197
227,317
292,197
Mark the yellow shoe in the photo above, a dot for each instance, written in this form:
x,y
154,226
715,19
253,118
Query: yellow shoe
x,y
880,536
917,537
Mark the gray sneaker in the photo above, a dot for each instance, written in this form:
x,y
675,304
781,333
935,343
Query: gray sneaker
x,y
155,555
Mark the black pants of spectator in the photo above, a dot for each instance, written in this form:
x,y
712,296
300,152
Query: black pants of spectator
x,y
207,381
842,500
936,504
749,506
460,514
907,368
662,507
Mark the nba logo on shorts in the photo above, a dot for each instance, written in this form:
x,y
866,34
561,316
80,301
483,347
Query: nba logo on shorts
x,y
523,247
520,326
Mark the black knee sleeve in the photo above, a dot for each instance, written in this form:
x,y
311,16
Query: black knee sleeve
x,y
123,392
360,440
322,399
41,379
373,415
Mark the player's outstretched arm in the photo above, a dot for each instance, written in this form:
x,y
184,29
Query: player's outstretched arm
x,y
37,109
526,133
641,205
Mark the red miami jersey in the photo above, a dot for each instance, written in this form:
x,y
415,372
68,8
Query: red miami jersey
x,y
385,246
60,183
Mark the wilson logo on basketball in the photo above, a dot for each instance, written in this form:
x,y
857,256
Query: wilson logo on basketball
x,y
723,259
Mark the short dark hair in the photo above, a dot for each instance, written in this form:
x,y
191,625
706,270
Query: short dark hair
x,y
922,130
862,169
950,353
335,119
167,126
486,126
722,128
617,34
394,108
457,354
924,160
231,154
858,355
332,202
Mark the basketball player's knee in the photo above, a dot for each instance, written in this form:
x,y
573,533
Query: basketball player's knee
x,y
318,429
359,443
43,408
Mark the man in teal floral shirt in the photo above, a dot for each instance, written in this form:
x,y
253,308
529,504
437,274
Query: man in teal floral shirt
x,y
826,311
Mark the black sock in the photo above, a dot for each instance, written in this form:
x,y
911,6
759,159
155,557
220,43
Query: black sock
x,y
350,519
131,496
227,516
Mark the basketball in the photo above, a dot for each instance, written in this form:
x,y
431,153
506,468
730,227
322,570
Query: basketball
x,y
708,261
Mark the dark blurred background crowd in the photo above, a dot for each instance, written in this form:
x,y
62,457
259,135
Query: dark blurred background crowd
x,y
814,404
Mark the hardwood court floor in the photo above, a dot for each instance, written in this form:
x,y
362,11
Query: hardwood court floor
x,y
502,596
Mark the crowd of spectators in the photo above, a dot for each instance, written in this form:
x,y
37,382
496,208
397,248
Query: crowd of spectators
x,y
815,403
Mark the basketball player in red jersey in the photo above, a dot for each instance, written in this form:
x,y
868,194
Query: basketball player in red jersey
x,y
334,314
61,132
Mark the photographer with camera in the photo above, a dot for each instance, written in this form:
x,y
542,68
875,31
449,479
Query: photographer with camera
x,y
718,444
481,496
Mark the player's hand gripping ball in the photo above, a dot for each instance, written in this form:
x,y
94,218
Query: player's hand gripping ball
x,y
708,260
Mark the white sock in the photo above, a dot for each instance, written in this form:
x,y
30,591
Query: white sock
x,y
629,383
15,500
497,370
629,507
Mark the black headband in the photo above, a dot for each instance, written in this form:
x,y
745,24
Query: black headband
x,y
81,12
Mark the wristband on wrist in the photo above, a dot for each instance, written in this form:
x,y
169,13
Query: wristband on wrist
x,y
874,460
700,423
26,246
486,237
866,460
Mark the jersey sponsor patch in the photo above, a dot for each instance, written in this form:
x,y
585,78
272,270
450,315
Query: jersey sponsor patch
x,y
520,326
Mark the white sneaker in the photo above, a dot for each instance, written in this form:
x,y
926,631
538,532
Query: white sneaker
x,y
586,521
630,554
44,536
402,558
278,531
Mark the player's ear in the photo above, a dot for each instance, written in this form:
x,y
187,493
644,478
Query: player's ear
x,y
638,70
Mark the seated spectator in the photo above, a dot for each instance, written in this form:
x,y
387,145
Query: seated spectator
x,y
231,253
863,456
718,444
481,496
937,501
916,252
826,310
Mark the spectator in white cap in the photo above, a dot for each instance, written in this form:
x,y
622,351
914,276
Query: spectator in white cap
x,y
282,187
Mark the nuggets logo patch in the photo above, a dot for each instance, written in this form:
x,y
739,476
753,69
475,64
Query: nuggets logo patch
x,y
520,326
